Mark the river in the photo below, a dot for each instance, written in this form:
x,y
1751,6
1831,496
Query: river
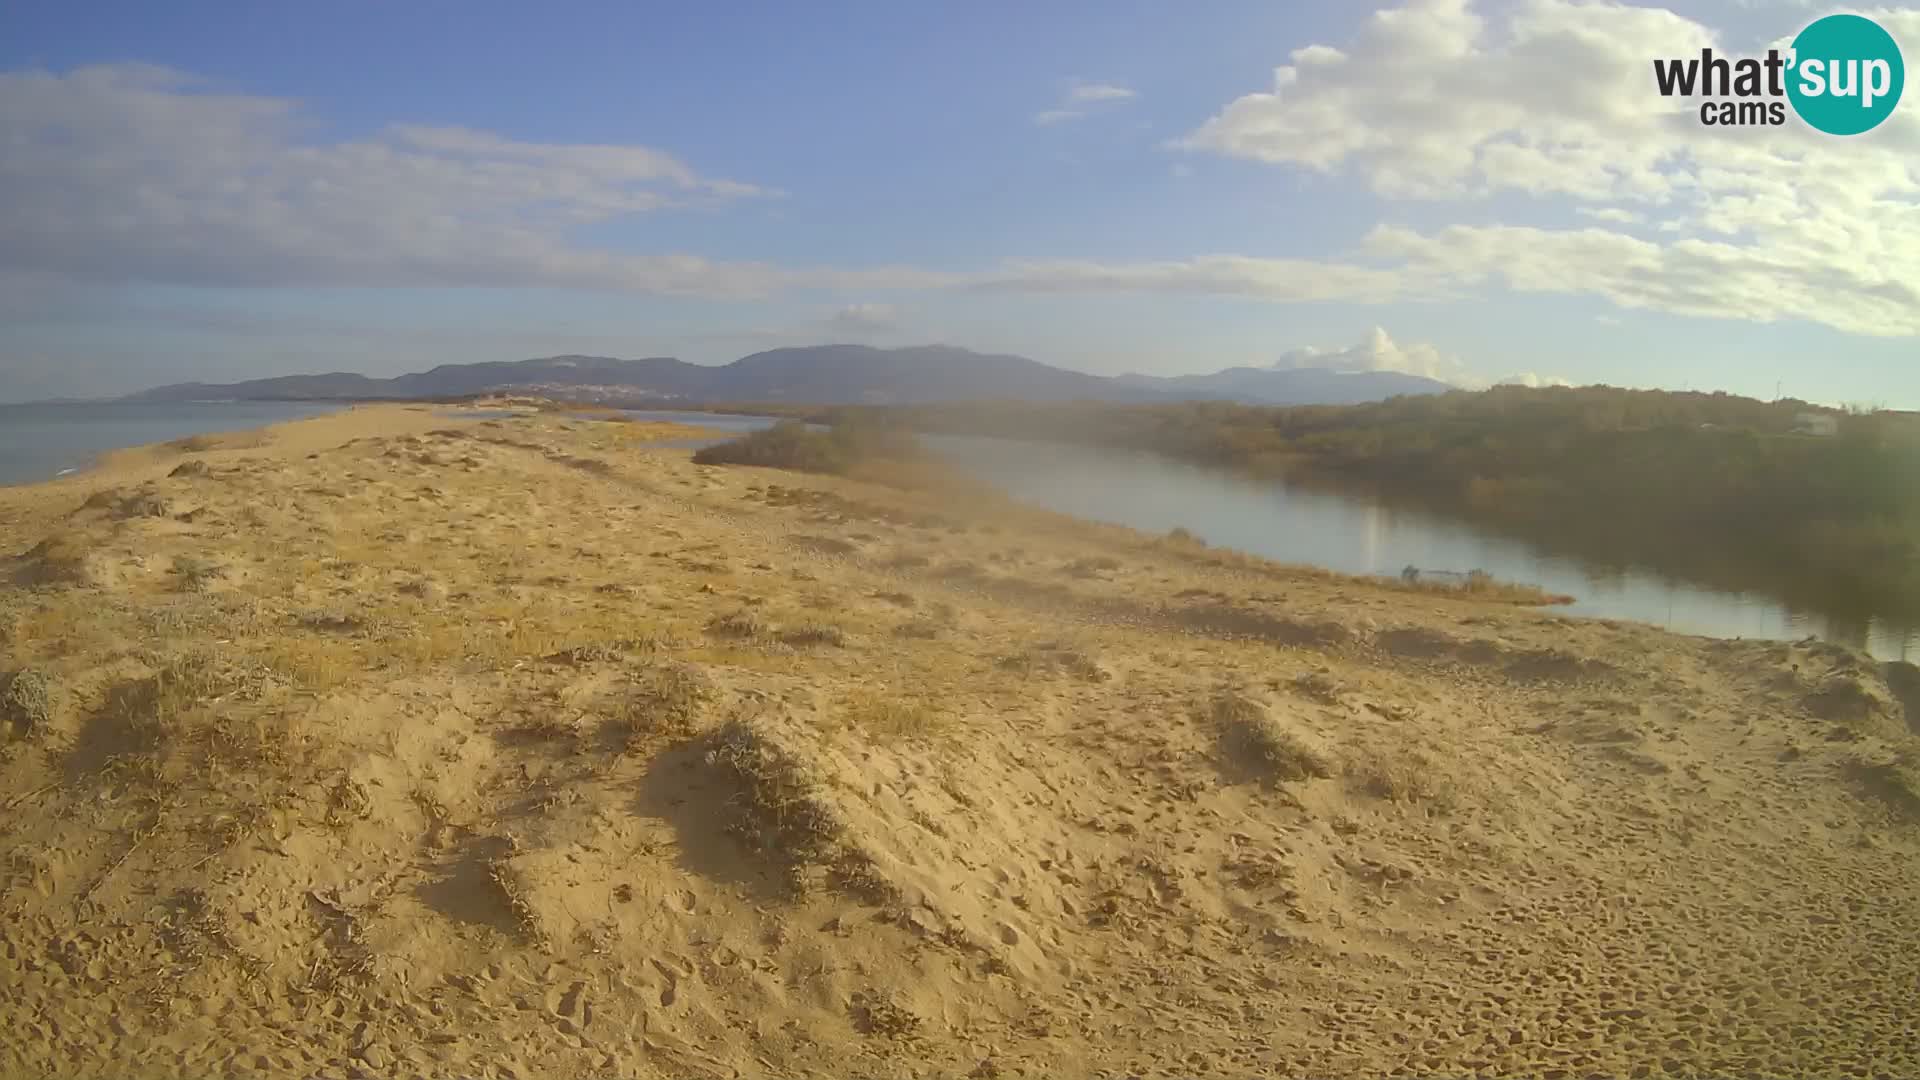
x,y
1362,535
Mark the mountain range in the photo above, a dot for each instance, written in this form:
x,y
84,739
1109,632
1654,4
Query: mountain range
x,y
824,375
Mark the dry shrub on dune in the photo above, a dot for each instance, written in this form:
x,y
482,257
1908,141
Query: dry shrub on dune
x,y
1894,779
65,558
742,625
814,634
1408,777
1252,735
667,699
783,812
26,702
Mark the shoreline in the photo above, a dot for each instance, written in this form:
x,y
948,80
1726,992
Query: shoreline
x,y
94,459
237,442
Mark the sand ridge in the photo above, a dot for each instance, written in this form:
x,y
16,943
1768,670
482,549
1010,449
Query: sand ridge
x,y
395,744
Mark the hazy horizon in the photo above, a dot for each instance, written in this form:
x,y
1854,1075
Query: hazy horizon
x,y
1474,192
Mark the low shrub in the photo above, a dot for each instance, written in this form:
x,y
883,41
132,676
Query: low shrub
x,y
1252,735
793,445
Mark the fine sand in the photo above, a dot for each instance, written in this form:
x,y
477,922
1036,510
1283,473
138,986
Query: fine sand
x,y
388,744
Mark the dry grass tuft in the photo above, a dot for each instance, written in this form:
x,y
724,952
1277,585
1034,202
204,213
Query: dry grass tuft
x,y
248,749
191,924
159,704
668,700
193,574
1319,686
1252,735
507,886
544,727
63,558
1407,777
313,665
1475,583
826,545
1054,659
810,634
874,1014
348,800
330,622
919,630
856,874
783,814
1894,780
609,652
1091,567
741,625
196,467
26,702
886,716
187,616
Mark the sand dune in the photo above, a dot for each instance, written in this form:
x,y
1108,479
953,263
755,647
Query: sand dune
x,y
388,744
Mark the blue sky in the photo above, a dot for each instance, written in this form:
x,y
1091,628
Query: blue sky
x,y
1470,190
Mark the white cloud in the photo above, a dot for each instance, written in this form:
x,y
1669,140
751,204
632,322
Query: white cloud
x,y
1084,92
1532,379
1215,275
1379,352
1618,215
1079,95
1554,99
129,173
135,173
859,321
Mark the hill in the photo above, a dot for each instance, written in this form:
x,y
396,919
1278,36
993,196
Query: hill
x,y
394,743
814,375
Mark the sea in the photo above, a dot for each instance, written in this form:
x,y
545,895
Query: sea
x,y
43,441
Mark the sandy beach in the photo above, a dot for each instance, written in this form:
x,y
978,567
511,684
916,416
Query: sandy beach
x,y
388,743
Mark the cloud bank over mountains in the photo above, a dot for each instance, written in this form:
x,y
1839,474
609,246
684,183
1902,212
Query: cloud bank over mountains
x,y
1379,352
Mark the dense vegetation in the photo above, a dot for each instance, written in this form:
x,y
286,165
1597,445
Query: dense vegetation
x,y
791,444
1711,487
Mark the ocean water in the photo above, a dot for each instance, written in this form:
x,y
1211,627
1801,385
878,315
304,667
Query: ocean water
x,y
40,442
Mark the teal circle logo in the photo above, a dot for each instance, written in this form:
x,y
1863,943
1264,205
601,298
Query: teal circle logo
x,y
1847,74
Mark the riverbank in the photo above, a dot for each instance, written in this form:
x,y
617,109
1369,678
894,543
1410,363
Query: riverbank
x,y
435,746
1716,490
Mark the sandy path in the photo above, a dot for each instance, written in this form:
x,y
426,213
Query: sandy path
x,y
404,746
